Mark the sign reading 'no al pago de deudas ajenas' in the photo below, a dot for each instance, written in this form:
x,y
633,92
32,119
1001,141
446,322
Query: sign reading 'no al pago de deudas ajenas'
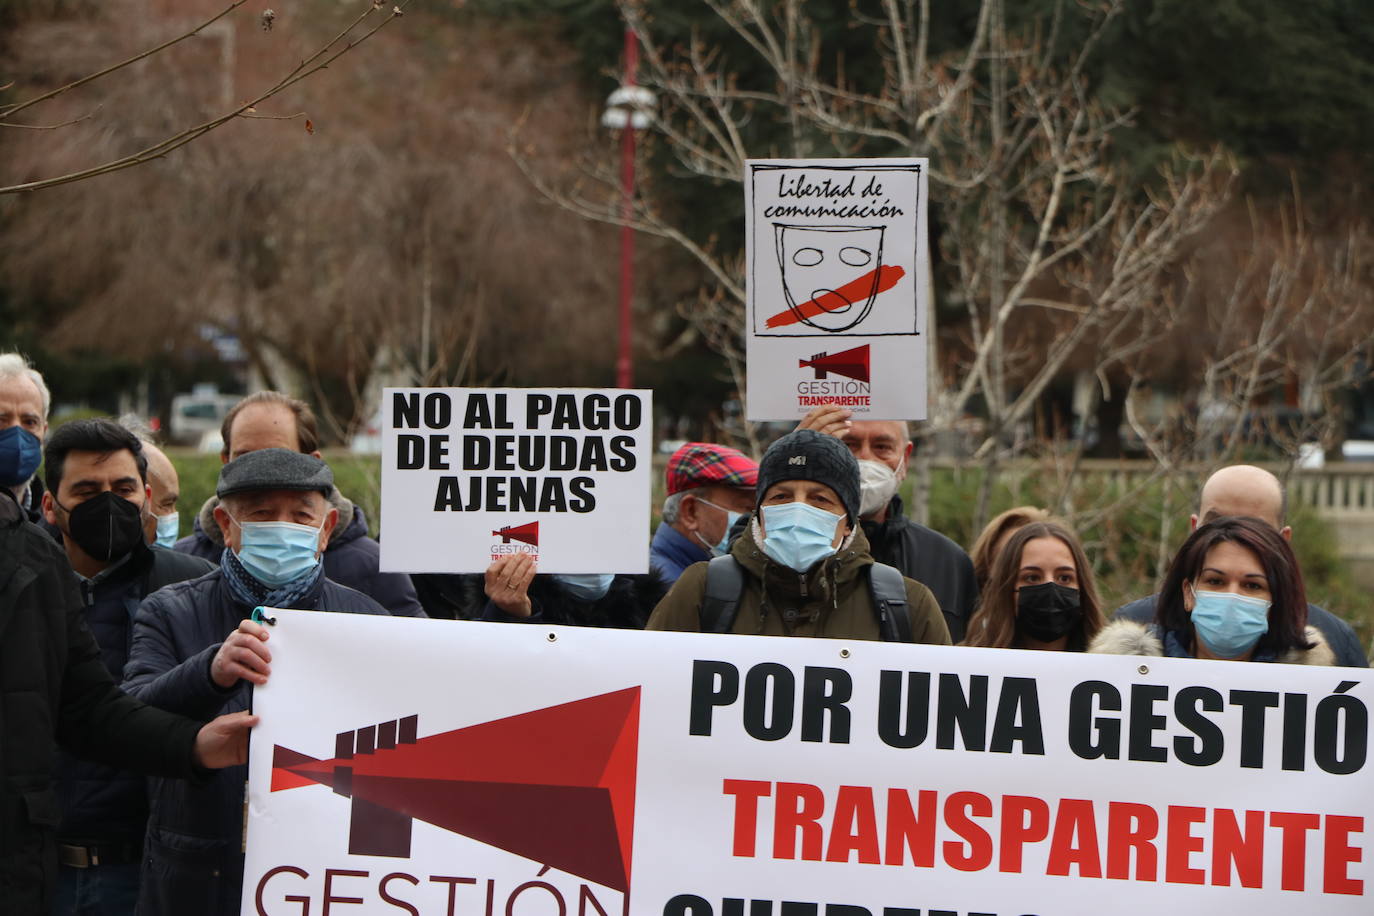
x,y
838,280
470,474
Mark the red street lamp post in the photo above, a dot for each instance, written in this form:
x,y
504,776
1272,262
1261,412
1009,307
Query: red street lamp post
x,y
628,109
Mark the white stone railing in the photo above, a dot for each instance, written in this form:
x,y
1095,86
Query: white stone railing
x,y
1336,491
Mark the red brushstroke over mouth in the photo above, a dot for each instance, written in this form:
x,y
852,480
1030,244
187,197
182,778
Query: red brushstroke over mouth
x,y
855,290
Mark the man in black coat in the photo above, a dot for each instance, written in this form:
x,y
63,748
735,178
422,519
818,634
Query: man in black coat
x,y
270,419
97,494
197,652
55,691
883,449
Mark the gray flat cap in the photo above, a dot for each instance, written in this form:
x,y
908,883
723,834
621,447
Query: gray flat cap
x,y
274,469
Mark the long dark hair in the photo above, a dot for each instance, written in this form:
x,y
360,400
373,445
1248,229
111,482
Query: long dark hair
x,y
1288,597
994,625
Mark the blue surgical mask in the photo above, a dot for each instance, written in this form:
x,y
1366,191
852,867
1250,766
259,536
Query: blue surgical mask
x,y
20,454
586,586
276,553
1227,623
798,535
721,547
168,527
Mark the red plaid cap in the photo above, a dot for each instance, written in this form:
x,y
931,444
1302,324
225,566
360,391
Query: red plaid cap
x,y
700,464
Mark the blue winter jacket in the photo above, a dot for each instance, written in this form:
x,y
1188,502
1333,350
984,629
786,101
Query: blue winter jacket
x,y
193,855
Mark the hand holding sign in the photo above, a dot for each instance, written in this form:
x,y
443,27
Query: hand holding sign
x,y
508,581
829,418
242,656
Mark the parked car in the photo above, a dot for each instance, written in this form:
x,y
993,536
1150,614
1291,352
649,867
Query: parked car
x,y
198,412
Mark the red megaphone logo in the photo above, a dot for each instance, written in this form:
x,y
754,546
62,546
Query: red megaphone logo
x,y
849,363
555,785
527,533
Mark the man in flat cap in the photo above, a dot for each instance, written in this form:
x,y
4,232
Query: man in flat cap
x,y
709,487
197,652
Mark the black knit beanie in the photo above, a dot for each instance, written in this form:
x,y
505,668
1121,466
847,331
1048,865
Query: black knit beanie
x,y
805,454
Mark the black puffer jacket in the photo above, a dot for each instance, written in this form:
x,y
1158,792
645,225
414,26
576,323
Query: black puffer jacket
x,y
103,804
931,559
193,860
54,689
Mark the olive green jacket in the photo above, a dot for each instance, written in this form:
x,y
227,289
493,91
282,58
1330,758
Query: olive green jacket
x,y
832,600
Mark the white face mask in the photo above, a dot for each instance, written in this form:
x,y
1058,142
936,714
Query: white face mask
x,y
877,485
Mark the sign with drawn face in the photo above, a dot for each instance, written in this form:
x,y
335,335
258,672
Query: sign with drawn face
x,y
819,266
837,286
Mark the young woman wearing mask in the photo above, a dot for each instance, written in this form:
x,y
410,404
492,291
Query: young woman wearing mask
x,y
1233,592
1040,594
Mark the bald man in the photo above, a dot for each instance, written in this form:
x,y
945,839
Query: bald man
x,y
883,449
161,521
1246,490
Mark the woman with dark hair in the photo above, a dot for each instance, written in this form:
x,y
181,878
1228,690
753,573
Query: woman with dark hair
x,y
1040,594
995,536
1234,592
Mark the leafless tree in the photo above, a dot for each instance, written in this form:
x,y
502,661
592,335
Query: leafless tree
x,y
1057,259
364,26
396,242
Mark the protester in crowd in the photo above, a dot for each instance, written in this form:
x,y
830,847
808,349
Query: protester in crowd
x,y
196,652
1245,490
883,448
1040,594
96,495
995,535
709,487
162,521
24,403
270,419
803,566
1233,592
512,591
55,692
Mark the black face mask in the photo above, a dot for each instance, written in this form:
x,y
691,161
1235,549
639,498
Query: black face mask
x,y
106,526
1047,611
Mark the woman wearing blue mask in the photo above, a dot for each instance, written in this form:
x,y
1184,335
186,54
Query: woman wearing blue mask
x,y
1233,592
802,567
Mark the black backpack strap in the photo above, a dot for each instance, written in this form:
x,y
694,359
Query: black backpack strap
x,y
889,601
720,603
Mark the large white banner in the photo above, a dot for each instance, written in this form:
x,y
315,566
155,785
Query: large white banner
x,y
837,280
469,474
448,767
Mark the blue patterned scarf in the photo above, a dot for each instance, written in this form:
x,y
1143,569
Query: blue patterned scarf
x,y
248,590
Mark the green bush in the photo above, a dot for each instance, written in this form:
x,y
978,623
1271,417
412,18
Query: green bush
x,y
1122,529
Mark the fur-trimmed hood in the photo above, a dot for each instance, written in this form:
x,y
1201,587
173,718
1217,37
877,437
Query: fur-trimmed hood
x,y
1126,637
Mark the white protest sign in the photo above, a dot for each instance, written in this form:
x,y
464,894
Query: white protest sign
x,y
469,474
838,280
446,767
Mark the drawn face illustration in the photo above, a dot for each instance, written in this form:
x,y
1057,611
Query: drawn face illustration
x,y
830,273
